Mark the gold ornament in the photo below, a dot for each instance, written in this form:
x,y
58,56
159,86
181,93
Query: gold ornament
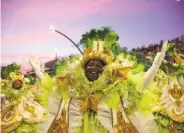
x,y
122,127
177,96
63,82
10,119
60,125
178,58
30,108
90,101
31,111
96,52
176,93
121,72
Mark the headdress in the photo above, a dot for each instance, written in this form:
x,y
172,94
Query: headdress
x,y
97,52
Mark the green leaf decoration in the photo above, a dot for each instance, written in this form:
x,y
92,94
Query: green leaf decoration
x,y
6,70
116,49
61,66
171,49
172,68
104,33
26,128
110,39
32,80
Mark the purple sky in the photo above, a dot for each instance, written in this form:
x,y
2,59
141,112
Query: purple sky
x,y
25,24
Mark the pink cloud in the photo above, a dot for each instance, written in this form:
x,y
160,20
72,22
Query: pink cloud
x,y
36,37
24,69
27,38
130,7
4,4
23,59
39,14
21,19
26,22
26,55
69,10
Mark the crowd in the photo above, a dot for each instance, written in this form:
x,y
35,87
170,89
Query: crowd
x,y
156,47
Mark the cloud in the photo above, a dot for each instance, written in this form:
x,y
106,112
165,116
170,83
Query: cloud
x,y
38,36
133,7
23,59
25,23
65,9
27,38
4,4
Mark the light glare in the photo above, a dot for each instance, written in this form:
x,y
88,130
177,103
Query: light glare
x,y
52,28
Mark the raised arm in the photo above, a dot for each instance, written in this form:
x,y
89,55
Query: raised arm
x,y
152,71
37,67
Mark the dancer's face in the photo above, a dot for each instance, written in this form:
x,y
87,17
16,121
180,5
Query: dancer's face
x,y
93,69
17,84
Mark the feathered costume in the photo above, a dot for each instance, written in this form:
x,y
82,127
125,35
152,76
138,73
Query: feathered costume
x,y
112,103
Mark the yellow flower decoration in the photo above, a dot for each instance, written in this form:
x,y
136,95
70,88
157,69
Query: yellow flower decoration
x,y
31,111
10,119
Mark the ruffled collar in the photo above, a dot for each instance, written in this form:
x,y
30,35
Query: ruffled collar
x,y
76,83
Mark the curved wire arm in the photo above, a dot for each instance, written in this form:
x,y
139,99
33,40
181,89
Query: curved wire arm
x,y
70,41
